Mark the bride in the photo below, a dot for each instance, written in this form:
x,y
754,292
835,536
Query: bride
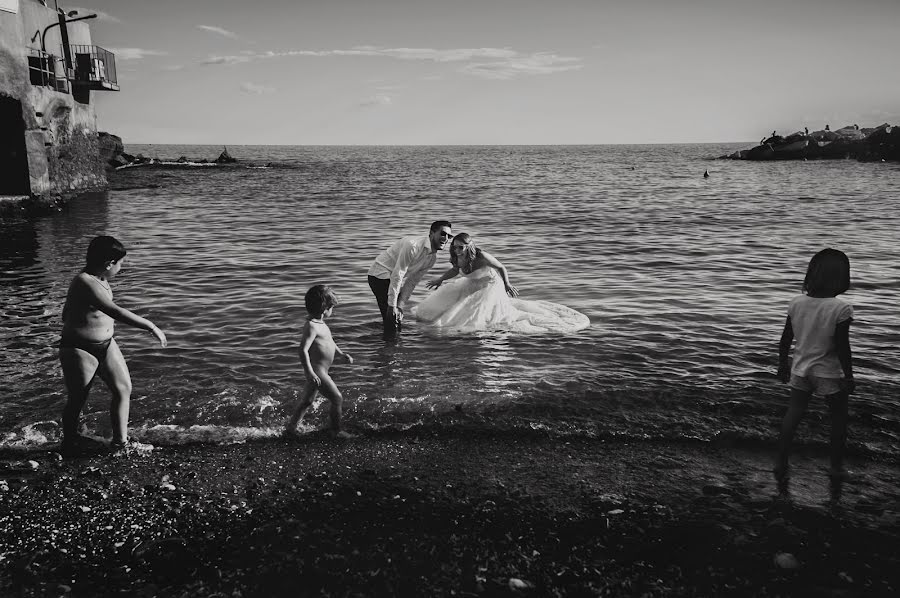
x,y
484,299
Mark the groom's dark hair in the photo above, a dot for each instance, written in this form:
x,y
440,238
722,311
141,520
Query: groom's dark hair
x,y
439,224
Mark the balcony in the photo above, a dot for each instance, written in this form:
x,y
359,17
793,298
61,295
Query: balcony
x,y
95,68
47,70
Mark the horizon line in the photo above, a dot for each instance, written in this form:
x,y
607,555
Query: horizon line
x,y
440,144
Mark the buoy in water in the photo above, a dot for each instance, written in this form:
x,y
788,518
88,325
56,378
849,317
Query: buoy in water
x,y
705,174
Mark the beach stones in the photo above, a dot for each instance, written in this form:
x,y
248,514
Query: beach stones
x,y
168,557
785,560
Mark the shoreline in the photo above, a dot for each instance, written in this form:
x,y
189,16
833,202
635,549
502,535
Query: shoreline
x,y
439,514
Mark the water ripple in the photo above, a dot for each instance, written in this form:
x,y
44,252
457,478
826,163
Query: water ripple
x,y
686,281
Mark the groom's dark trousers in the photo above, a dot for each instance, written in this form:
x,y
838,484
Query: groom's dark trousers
x,y
380,286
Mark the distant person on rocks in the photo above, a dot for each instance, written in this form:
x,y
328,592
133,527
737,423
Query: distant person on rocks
x,y
399,268
317,352
822,361
87,348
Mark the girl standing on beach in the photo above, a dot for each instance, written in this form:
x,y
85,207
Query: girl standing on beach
x,y
87,347
822,364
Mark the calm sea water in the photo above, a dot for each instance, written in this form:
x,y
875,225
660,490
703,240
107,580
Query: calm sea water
x,y
686,282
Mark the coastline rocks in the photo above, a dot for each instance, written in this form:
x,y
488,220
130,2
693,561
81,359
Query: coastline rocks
x,y
113,156
867,144
225,157
110,147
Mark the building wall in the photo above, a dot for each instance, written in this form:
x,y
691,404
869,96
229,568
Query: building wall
x,y
60,133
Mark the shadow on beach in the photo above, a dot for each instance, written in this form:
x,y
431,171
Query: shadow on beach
x,y
445,514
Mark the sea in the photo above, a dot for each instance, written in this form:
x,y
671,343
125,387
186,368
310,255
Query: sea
x,y
686,281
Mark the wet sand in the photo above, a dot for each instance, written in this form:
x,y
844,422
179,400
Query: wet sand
x,y
438,514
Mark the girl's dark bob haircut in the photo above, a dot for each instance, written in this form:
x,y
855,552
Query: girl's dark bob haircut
x,y
828,274
104,249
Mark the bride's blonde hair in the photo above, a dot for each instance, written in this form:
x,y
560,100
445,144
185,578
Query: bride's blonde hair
x,y
465,260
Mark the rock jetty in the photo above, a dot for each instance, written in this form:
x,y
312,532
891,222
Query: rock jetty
x,y
851,142
114,156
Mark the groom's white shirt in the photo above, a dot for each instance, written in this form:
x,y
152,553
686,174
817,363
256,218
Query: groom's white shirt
x,y
405,263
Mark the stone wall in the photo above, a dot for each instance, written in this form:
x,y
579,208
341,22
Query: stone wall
x,y
60,132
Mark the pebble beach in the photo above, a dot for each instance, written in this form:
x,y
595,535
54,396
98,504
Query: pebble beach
x,y
438,514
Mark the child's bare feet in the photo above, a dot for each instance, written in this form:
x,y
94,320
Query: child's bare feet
x,y
129,448
342,435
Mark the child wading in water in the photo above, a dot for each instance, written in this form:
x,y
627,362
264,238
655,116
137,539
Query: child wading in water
x,y
317,351
822,364
87,348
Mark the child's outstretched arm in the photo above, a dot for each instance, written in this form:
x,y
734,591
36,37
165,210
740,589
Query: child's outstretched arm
x,y
784,349
436,282
306,341
103,303
845,356
495,263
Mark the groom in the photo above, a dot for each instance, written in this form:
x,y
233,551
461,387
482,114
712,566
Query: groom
x,y
399,268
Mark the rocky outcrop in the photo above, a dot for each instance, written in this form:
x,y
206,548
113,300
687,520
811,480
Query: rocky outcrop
x,y
225,157
114,156
850,142
111,148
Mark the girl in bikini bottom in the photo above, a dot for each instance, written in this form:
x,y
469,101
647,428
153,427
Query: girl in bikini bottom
x,y
96,348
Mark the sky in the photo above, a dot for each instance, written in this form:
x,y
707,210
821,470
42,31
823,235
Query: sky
x,y
422,72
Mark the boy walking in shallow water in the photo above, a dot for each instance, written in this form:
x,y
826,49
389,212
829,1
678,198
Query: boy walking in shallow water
x,y
87,348
823,364
317,353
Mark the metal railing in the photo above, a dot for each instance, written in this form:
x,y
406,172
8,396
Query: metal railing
x,y
47,70
95,65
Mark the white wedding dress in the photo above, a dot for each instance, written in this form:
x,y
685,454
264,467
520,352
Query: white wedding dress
x,y
478,301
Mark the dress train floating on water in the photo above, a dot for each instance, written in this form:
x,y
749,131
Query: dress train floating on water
x,y
478,302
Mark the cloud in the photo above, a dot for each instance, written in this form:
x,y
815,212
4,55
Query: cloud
x,y
134,53
253,88
218,30
226,60
432,55
536,64
488,63
379,99
173,67
101,16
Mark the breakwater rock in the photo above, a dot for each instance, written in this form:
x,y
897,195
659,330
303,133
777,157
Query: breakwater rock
x,y
114,156
850,142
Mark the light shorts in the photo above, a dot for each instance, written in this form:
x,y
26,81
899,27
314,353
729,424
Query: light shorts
x,y
817,385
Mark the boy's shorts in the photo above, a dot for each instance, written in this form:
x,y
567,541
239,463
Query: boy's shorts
x,y
817,385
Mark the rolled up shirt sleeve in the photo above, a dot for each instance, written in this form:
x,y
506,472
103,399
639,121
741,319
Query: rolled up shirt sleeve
x,y
405,259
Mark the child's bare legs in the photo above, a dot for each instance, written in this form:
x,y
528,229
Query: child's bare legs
x,y
306,400
79,368
799,401
837,404
330,391
115,373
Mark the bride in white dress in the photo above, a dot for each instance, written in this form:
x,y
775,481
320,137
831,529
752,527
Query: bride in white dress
x,y
482,298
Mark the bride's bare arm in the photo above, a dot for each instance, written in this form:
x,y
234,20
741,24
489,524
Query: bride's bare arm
x,y
435,283
495,263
